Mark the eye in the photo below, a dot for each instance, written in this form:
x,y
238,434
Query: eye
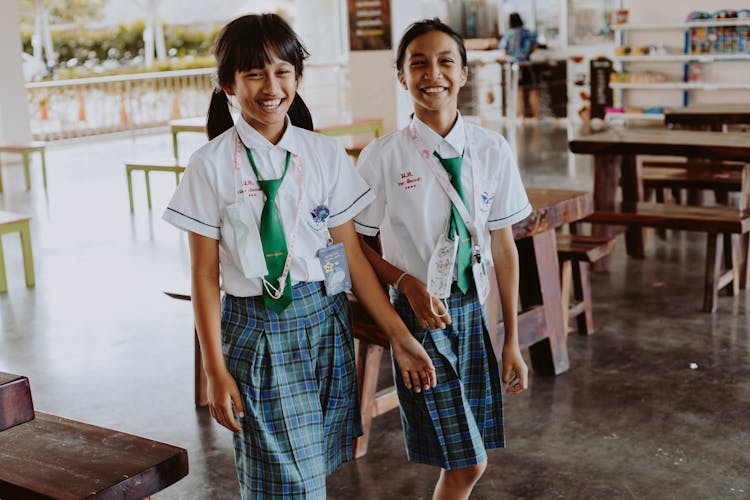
x,y
447,60
414,64
254,74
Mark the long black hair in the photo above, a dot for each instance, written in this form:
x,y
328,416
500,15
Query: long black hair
x,y
250,42
515,21
420,28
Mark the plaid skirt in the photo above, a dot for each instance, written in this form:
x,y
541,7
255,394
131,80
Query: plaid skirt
x,y
455,423
296,373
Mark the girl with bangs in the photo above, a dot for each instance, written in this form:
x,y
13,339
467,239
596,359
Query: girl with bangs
x,y
268,207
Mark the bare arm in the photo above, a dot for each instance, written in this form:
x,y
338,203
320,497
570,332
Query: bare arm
x,y
415,290
222,389
505,256
415,365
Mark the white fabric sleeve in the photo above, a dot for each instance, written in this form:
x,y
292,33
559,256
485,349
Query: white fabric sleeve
x,y
510,204
194,206
368,221
349,193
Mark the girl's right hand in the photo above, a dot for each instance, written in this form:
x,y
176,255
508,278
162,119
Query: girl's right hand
x,y
414,363
222,393
419,300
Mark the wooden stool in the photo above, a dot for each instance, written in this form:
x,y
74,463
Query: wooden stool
x,y
146,168
16,223
25,150
576,253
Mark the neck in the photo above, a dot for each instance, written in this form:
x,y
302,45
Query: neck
x,y
441,121
273,132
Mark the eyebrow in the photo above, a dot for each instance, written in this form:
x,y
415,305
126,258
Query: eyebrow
x,y
443,53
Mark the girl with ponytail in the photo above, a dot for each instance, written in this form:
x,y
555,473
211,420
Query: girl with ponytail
x,y
268,206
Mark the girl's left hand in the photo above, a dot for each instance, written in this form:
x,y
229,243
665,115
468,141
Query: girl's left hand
x,y
515,372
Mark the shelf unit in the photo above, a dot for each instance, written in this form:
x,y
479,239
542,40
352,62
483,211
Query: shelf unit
x,y
685,59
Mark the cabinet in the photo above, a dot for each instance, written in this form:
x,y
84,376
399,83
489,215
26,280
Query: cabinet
x,y
654,65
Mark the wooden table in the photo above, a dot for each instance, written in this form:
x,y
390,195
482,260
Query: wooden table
x,y
615,153
541,325
713,117
46,456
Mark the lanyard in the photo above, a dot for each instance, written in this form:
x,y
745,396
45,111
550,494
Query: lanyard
x,y
273,291
442,177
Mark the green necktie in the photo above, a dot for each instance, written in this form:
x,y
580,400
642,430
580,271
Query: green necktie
x,y
272,237
457,225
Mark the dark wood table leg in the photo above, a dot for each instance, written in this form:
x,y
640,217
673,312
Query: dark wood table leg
x,y
606,182
632,190
540,285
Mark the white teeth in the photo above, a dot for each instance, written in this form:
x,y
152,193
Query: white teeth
x,y
271,104
433,90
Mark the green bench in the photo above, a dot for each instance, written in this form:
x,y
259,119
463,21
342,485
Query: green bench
x,y
25,150
16,223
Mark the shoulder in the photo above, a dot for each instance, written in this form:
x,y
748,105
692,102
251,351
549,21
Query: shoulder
x,y
389,144
484,137
319,143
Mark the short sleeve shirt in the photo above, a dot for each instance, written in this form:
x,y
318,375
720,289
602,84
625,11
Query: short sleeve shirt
x,y
417,207
332,193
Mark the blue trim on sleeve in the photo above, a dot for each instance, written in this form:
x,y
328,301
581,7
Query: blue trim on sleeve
x,y
511,215
351,204
192,218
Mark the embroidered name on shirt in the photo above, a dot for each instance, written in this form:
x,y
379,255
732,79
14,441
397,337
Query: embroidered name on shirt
x,y
408,180
249,187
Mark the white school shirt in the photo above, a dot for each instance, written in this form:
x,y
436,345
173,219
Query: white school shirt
x,y
418,208
209,185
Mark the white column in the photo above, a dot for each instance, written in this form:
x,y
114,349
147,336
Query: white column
x,y
376,92
14,108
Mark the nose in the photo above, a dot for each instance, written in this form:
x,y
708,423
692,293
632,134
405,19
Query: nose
x,y
271,84
432,71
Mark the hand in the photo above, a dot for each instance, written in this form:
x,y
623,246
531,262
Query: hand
x,y
222,392
419,300
414,363
515,372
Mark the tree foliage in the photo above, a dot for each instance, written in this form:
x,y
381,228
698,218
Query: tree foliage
x,y
77,12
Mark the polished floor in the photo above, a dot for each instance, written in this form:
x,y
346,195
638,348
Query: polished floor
x,y
655,404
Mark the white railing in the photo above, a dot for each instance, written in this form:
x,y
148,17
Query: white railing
x,y
66,109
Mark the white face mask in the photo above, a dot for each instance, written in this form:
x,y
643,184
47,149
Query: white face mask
x,y
247,239
440,267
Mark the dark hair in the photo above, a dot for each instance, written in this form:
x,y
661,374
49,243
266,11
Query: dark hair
x,y
420,28
250,42
515,20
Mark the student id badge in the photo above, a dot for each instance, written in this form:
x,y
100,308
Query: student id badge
x,y
481,281
335,268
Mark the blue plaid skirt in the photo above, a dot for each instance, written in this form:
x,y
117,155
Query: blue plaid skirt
x,y
455,423
296,373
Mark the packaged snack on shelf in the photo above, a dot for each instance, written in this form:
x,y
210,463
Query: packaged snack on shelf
x,y
743,33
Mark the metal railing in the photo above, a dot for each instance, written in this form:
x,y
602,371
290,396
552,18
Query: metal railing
x,y
67,109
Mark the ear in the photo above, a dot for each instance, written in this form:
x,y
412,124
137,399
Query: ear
x,y
464,75
402,80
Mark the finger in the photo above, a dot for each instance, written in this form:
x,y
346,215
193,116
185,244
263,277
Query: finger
x,y
433,376
415,381
406,378
425,376
443,312
227,419
423,322
237,402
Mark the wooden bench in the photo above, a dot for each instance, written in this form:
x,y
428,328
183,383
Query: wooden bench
x,y
16,223
146,168
26,149
46,456
576,253
722,225
661,178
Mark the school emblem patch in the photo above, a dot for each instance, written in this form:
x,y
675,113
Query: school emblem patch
x,y
486,201
319,217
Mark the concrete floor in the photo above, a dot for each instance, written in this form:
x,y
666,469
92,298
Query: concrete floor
x,y
101,343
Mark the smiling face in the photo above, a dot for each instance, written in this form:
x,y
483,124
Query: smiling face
x,y
265,94
433,73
